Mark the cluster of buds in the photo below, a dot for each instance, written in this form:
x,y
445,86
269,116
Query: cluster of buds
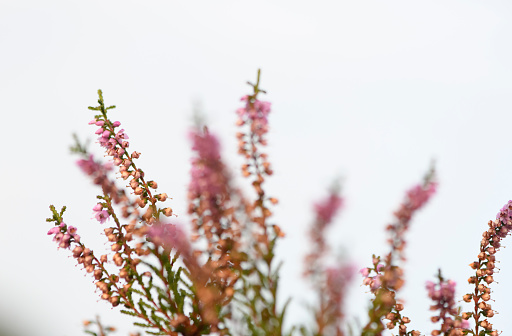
x,y
373,281
64,235
443,295
485,268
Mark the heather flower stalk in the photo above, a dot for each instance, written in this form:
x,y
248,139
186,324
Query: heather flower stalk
x,y
485,267
260,276
443,295
329,282
388,278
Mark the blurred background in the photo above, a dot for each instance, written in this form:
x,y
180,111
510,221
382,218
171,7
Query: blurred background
x,y
368,91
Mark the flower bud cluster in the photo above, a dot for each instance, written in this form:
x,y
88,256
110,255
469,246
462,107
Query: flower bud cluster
x,y
443,295
64,235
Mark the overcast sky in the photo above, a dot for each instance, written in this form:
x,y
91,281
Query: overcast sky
x,y
371,91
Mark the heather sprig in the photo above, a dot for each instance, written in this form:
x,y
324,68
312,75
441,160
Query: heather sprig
x,y
329,282
260,275
388,279
443,295
485,267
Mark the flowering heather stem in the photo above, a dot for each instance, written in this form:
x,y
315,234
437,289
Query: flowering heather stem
x,y
443,295
389,277
485,267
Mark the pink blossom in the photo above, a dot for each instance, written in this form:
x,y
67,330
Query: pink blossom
x,y
100,214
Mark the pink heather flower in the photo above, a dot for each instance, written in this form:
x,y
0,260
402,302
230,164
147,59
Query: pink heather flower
x,y
258,111
326,209
116,124
53,230
63,235
364,271
100,214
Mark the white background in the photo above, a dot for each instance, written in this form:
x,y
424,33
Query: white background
x,y
367,90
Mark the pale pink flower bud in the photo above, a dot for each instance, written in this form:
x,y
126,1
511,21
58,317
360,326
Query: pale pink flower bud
x,y
116,124
161,197
135,155
167,212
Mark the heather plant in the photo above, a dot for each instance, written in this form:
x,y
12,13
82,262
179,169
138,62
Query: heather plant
x,y
222,278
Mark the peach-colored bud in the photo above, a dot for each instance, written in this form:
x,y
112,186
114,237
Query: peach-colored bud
x,y
472,280
273,200
489,313
480,273
435,319
103,258
112,238
161,197
481,255
489,279
125,174
77,251
136,174
134,183
486,297
141,202
138,191
482,305
390,316
467,297
405,319
415,333
390,325
118,161
105,296
491,250
86,323
114,300
127,162
467,315
167,212
88,260
98,274
87,251
123,273
474,265
108,231
135,155
116,247
399,307
153,184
